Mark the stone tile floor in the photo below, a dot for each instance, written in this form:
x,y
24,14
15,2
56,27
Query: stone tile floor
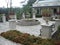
x,y
4,27
4,41
33,30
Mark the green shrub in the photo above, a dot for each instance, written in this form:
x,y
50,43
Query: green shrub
x,y
11,34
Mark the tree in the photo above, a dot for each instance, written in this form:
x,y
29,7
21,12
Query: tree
x,y
30,2
28,8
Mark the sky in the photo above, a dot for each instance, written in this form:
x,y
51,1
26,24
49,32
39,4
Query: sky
x,y
15,3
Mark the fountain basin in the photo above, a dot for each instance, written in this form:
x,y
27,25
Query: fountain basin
x,y
28,22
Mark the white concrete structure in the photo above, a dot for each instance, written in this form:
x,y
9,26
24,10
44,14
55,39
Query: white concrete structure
x,y
34,13
46,31
34,16
3,18
23,16
12,24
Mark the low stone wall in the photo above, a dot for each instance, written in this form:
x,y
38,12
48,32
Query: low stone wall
x,y
28,22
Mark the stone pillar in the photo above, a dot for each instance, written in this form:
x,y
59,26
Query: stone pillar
x,y
15,17
23,15
34,12
12,24
46,31
57,23
4,18
34,16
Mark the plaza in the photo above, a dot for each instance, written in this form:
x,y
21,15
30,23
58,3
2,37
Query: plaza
x,y
44,28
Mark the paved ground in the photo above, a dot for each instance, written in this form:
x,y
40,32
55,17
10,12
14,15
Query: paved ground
x,y
33,30
4,27
4,41
29,29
